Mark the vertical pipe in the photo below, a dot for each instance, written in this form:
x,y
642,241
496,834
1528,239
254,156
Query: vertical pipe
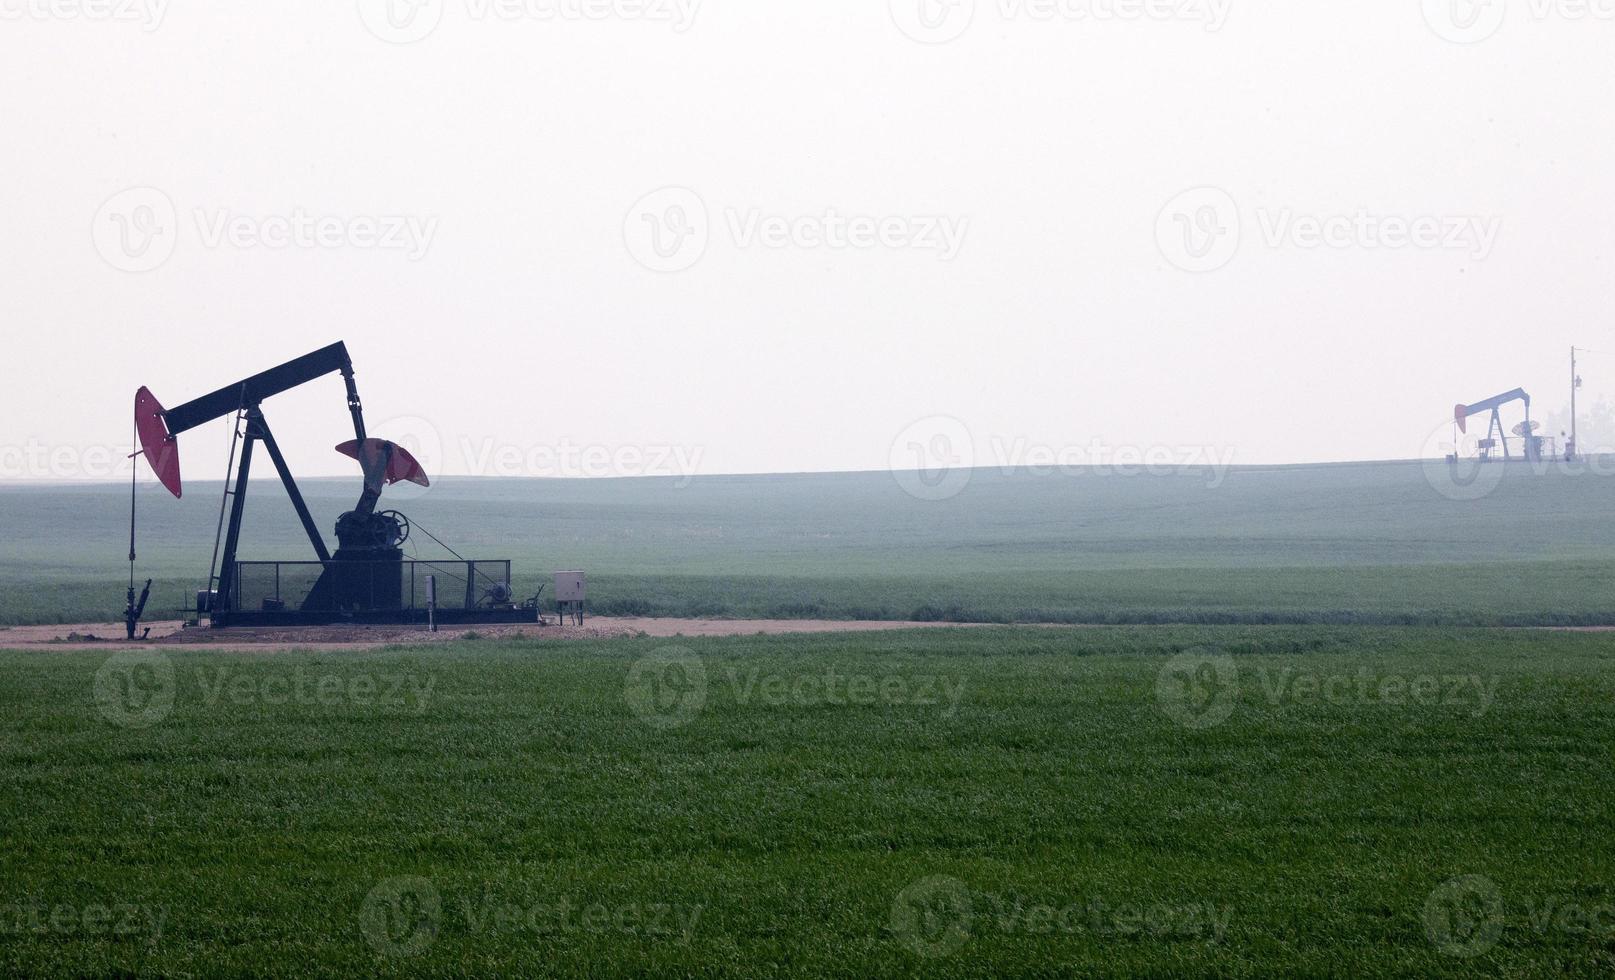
x,y
134,470
129,614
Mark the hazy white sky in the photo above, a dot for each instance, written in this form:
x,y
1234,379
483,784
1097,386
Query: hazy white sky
x,y
747,236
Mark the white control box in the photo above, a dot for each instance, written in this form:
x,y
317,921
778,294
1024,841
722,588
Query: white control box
x,y
569,586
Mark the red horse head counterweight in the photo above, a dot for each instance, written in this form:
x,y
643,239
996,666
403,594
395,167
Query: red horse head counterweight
x,y
389,461
160,449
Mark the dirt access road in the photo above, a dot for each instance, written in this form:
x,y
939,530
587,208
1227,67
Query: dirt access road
x,y
110,636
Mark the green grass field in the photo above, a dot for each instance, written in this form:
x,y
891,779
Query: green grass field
x,y
1238,801
1366,543
1326,768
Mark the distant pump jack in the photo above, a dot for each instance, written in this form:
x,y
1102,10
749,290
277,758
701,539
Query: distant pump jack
x,y
1496,439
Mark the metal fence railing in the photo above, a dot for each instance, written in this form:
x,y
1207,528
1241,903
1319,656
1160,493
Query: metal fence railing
x,y
335,586
1517,447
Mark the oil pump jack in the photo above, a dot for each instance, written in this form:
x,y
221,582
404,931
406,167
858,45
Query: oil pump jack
x,y
365,580
1496,434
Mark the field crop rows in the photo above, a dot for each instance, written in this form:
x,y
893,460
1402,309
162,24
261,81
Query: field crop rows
x,y
1239,801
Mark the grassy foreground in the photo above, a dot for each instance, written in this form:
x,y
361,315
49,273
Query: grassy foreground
x,y
1146,801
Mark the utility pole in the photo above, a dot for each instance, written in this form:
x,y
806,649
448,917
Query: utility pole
x,y
1575,383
